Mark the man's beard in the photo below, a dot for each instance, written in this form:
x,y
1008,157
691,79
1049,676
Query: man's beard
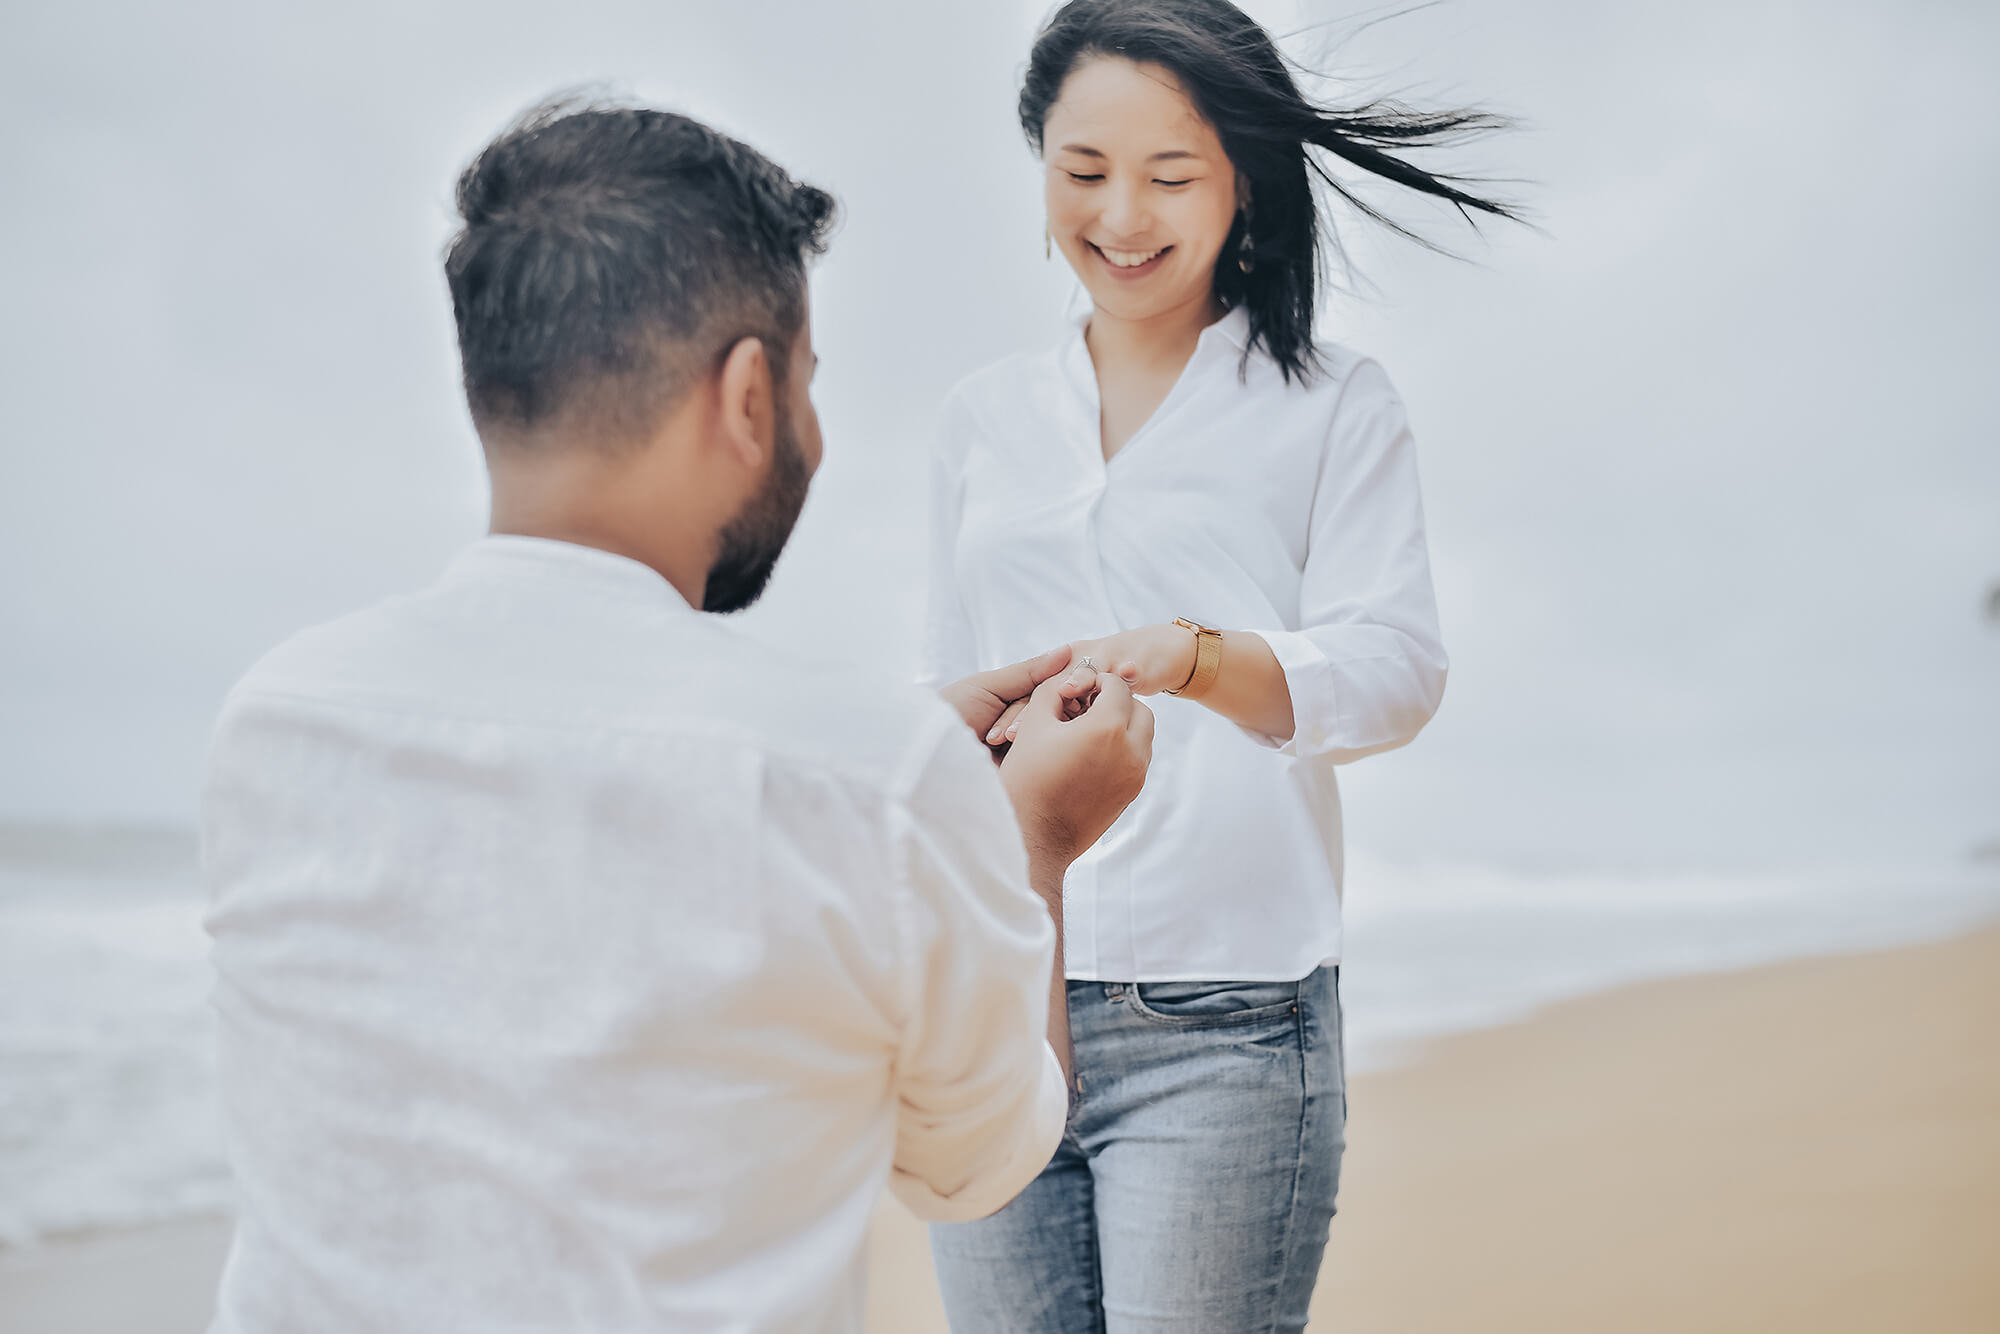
x,y
752,541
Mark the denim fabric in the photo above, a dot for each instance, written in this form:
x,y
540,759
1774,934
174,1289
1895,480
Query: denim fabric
x,y
1196,1182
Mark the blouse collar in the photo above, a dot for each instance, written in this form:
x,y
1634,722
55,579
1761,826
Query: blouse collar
x,y
1233,327
1231,332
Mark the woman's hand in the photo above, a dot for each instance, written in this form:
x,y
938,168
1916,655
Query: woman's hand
x,y
1152,659
1149,660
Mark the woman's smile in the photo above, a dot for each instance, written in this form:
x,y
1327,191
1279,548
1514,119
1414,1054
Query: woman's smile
x,y
1129,263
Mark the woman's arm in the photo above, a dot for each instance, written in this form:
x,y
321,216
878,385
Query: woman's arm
x,y
1365,668
1366,665
1250,689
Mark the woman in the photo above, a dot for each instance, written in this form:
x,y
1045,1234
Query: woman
x,y
1199,497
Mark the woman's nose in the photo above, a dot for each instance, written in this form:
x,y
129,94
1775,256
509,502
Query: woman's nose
x,y
1125,212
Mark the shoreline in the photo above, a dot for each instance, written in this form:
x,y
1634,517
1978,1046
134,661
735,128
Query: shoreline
x,y
1812,1144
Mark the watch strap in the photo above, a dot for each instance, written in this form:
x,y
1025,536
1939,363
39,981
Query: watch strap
x,y
1207,659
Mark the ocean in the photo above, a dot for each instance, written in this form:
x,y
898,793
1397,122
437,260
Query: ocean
x,y
107,1107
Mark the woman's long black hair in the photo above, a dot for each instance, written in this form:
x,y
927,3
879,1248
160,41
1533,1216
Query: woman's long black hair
x,y
1237,80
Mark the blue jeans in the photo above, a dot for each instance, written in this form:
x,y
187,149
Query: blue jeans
x,y
1196,1182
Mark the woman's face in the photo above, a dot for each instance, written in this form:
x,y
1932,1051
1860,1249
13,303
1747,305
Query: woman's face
x,y
1140,193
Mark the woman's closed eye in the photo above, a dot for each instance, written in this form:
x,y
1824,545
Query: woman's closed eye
x,y
1092,178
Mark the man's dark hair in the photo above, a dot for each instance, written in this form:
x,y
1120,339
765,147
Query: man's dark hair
x,y
610,257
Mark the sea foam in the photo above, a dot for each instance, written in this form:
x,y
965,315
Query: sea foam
x,y
107,1104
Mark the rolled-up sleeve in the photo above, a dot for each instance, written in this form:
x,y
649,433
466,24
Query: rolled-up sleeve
x,y
981,1097
1366,665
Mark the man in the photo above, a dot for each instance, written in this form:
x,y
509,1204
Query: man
x,y
583,965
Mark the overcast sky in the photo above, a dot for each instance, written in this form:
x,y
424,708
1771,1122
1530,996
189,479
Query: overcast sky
x,y
1712,462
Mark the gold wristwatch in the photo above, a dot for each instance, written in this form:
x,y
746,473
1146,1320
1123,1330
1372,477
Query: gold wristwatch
x,y
1207,659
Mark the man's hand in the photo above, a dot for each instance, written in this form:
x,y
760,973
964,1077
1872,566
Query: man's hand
x,y
982,699
1149,659
1069,778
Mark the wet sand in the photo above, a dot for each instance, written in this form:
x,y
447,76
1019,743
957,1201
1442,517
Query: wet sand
x,y
1811,1146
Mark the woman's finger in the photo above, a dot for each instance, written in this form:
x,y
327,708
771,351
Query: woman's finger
x,y
1006,725
1082,677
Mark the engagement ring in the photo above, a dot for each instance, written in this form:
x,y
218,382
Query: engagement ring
x,y
1087,663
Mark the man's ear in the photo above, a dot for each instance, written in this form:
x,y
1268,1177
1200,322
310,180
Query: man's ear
x,y
749,416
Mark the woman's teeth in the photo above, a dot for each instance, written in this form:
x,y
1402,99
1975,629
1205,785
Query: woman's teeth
x,y
1131,259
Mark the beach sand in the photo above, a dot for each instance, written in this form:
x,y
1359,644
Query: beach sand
x,y
1811,1146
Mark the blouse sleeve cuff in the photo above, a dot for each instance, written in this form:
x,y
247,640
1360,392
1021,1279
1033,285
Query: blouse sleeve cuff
x,y
1309,678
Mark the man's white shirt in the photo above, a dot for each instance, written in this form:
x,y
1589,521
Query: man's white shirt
x,y
584,965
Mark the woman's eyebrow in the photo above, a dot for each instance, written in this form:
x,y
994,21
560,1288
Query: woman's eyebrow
x,y
1166,155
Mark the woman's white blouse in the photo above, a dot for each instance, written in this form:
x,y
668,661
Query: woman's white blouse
x,y
1243,503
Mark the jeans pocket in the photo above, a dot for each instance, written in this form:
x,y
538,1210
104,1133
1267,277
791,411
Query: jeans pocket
x,y
1213,1004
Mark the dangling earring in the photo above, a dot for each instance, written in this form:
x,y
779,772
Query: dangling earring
x,y
1246,252
1048,246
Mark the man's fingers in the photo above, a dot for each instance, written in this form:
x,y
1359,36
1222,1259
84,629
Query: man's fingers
x,y
1049,664
1140,730
1114,699
1018,680
1047,698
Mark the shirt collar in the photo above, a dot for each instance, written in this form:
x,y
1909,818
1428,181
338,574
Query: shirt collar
x,y
1233,327
514,558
